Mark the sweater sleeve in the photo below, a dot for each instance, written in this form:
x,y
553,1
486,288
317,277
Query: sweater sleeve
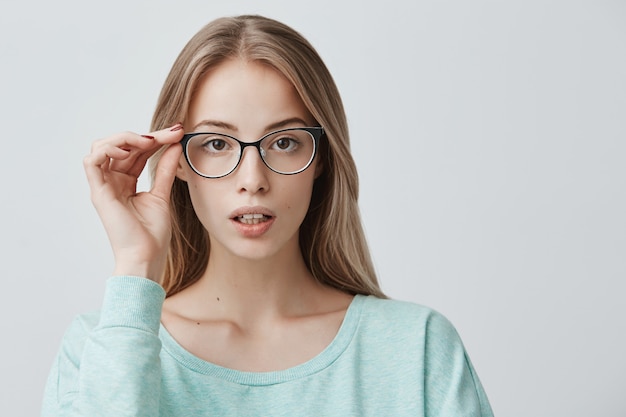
x,y
110,366
452,387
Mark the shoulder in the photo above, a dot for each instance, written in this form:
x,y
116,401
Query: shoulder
x,y
408,338
407,327
405,316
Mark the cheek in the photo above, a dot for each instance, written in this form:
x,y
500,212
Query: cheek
x,y
300,197
204,206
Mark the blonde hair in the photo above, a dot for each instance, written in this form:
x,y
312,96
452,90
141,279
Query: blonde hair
x,y
331,236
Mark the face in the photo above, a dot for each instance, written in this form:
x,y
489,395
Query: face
x,y
253,212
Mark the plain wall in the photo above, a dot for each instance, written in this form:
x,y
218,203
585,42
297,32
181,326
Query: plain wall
x,y
490,139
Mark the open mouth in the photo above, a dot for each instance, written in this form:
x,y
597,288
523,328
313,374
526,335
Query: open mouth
x,y
253,218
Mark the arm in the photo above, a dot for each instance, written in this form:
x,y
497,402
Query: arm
x,y
112,368
452,387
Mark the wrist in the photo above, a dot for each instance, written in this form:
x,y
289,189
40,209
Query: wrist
x,y
147,270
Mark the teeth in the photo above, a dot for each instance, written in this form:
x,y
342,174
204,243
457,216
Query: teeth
x,y
255,218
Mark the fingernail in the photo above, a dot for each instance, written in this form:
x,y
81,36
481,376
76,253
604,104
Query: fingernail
x,y
147,136
176,127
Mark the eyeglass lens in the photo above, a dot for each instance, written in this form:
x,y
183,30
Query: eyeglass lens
x,y
286,152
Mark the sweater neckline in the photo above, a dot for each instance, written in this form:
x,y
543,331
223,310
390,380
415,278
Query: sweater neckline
x,y
324,359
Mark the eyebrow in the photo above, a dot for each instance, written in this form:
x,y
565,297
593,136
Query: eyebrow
x,y
274,126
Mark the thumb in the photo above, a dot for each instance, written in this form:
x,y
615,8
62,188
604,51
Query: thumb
x,y
166,171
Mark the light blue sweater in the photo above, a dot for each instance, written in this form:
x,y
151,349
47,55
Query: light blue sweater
x,y
389,358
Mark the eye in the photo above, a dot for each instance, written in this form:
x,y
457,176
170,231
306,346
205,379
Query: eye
x,y
285,144
215,144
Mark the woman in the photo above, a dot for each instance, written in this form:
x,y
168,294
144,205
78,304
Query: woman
x,y
242,281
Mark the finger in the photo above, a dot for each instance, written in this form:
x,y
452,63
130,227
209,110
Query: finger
x,y
95,176
163,137
139,150
109,156
130,140
168,135
124,140
104,153
139,164
166,171
136,163
125,152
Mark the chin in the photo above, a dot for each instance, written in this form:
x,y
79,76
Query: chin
x,y
254,250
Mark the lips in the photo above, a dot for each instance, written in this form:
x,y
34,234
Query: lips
x,y
252,221
251,212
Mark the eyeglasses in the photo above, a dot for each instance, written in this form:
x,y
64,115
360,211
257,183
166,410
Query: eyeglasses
x,y
286,151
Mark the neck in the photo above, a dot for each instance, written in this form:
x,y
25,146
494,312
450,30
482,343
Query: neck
x,y
247,290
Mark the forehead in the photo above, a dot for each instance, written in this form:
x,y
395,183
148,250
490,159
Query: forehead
x,y
247,95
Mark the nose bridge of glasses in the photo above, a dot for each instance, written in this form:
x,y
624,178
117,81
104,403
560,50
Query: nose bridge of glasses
x,y
257,145
257,161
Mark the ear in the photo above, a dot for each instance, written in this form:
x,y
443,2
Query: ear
x,y
182,171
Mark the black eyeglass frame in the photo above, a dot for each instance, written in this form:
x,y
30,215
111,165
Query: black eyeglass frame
x,y
317,133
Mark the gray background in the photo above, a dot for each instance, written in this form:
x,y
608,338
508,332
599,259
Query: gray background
x,y
490,138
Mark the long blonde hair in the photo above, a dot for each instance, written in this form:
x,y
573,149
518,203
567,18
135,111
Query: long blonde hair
x,y
331,236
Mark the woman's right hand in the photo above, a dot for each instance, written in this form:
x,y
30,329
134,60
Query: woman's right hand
x,y
138,224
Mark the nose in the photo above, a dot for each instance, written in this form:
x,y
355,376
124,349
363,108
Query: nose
x,y
252,173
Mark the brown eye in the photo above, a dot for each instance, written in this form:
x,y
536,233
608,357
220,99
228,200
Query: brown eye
x,y
216,145
283,143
